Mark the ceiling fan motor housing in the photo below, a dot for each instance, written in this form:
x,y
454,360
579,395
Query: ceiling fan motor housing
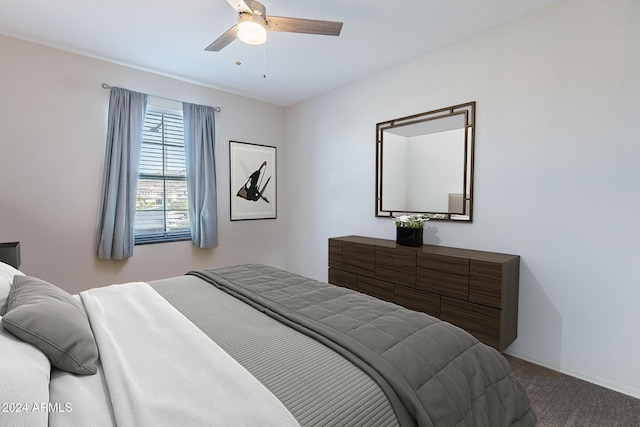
x,y
257,8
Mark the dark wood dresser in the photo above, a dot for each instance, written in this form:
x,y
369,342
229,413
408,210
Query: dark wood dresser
x,y
475,290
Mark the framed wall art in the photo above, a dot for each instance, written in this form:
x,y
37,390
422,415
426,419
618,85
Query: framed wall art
x,y
253,181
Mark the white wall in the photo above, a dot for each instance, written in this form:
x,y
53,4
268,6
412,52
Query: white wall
x,y
436,169
53,115
556,173
395,159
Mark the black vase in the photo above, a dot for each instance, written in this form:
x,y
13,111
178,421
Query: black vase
x,y
406,236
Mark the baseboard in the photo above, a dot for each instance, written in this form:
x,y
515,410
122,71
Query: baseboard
x,y
620,388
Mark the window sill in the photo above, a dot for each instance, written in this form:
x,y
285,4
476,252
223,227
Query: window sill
x,y
161,238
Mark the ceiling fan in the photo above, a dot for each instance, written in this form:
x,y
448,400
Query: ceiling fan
x,y
253,24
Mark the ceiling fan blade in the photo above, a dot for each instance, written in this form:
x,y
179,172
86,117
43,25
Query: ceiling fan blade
x,y
305,26
223,40
240,5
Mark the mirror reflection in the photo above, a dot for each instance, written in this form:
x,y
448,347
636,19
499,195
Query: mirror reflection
x,y
425,164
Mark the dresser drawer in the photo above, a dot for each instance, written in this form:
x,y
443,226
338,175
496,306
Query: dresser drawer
x,y
453,265
482,322
343,278
359,258
442,274
417,300
376,288
485,283
396,265
335,254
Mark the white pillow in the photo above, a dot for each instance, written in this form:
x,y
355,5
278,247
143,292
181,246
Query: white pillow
x,y
6,279
25,373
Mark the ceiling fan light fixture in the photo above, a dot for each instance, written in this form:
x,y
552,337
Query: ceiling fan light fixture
x,y
252,28
252,25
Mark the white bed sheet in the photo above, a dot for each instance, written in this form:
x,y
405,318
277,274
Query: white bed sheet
x,y
159,369
24,382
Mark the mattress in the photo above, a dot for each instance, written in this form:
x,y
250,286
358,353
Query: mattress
x,y
255,345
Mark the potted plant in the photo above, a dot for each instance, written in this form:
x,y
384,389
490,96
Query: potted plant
x,y
409,229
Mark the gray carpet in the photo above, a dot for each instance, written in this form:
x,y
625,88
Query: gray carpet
x,y
562,400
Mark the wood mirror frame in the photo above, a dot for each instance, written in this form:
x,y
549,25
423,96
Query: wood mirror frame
x,y
424,164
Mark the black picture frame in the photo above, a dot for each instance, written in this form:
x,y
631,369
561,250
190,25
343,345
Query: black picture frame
x,y
252,170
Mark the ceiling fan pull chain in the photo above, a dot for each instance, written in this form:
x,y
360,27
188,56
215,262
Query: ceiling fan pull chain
x,y
264,61
238,55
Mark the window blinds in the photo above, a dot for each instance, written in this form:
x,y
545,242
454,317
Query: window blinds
x,y
161,206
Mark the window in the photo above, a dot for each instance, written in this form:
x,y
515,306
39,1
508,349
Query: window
x,y
162,210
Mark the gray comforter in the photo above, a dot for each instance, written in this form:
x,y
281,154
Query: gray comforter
x,y
434,373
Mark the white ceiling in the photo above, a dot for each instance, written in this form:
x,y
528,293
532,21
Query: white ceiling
x,y
169,37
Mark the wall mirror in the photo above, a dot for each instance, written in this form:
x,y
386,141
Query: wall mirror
x,y
424,164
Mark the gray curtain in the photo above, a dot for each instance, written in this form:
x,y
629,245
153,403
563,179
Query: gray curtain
x,y
116,224
199,140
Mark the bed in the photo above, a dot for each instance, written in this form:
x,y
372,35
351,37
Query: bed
x,y
243,345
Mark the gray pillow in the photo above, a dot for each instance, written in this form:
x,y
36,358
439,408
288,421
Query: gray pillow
x,y
52,320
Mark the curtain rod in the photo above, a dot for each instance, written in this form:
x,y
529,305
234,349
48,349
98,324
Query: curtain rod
x,y
106,86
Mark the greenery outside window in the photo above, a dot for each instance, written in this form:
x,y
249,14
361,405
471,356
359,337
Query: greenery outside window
x,y
162,210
